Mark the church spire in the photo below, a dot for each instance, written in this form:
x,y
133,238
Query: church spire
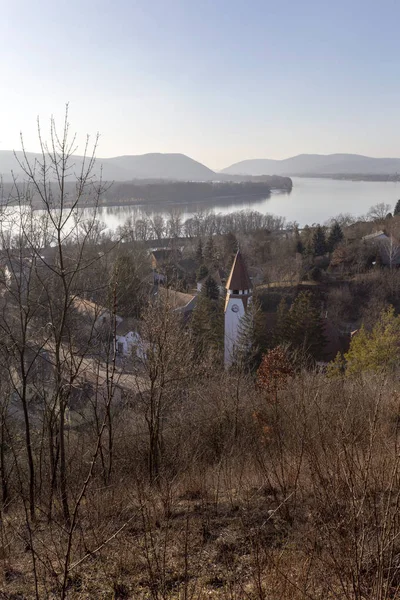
x,y
239,279
238,297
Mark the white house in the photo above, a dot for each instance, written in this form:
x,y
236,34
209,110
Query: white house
x,y
127,338
239,292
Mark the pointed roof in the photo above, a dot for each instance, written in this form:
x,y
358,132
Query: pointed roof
x,y
239,278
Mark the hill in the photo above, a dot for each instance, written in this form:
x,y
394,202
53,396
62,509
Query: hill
x,y
125,168
317,164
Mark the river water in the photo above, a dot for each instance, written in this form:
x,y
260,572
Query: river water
x,y
311,200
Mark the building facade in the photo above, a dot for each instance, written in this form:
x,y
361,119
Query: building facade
x,y
239,290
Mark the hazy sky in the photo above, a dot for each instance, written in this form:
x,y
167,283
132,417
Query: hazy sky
x,y
219,80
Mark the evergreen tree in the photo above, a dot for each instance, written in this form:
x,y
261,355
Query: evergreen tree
x,y
251,341
301,326
306,240
207,325
126,280
335,236
199,252
319,245
210,289
202,272
280,333
397,209
299,246
209,251
230,248
378,350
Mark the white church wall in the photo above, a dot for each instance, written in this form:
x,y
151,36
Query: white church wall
x,y
234,311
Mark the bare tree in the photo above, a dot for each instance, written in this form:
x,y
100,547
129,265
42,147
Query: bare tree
x,y
166,365
378,212
390,249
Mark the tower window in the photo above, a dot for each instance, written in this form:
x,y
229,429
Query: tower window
x,y
235,291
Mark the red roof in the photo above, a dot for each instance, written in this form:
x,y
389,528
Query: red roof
x,y
239,278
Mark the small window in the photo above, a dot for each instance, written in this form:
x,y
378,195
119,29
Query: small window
x,y
235,291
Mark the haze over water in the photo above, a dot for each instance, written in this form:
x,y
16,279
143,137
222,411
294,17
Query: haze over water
x,y
312,200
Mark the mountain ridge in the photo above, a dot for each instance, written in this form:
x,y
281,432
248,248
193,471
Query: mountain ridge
x,y
316,164
174,166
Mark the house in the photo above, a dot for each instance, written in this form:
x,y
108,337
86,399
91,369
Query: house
x,y
94,315
376,236
127,338
388,247
162,260
168,262
179,302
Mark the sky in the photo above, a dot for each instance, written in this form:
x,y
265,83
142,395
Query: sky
x,y
218,80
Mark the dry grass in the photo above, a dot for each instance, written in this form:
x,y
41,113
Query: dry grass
x,y
300,501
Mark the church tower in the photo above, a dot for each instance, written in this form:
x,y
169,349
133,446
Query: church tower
x,y
238,298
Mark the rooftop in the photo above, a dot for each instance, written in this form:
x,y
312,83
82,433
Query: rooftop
x,y
375,235
239,277
175,299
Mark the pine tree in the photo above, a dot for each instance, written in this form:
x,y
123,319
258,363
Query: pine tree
x,y
230,248
306,240
209,251
201,273
396,211
250,343
301,326
209,289
280,330
319,245
126,280
199,252
335,237
207,325
299,246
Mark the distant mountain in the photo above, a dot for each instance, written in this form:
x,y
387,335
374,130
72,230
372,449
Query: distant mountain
x,y
317,164
124,168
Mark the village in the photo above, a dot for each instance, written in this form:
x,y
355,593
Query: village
x,y
228,300
185,404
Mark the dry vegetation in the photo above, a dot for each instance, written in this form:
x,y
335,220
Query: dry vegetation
x,y
290,496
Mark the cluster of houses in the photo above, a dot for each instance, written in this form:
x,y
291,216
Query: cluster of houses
x,y
168,265
237,288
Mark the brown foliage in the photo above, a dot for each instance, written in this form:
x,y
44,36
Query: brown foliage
x,y
274,371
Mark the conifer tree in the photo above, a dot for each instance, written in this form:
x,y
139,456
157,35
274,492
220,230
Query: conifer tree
x,y
230,248
306,241
280,333
251,341
396,211
209,289
335,236
299,246
201,273
199,251
301,326
378,350
209,251
207,323
319,245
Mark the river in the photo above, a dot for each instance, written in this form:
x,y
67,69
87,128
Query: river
x,y
312,200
